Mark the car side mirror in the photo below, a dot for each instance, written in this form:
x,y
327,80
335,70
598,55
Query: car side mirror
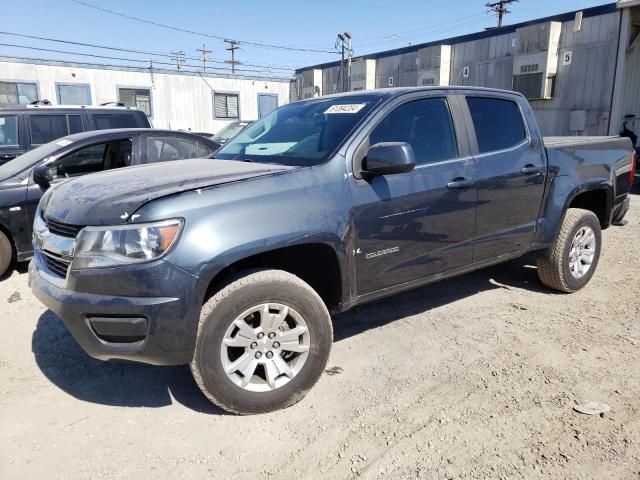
x,y
42,176
389,158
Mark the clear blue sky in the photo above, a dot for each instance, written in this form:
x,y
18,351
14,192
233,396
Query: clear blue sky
x,y
309,24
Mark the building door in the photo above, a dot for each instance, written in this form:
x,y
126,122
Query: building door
x,y
267,103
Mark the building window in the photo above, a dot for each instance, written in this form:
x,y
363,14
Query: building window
x,y
73,94
225,105
139,98
17,93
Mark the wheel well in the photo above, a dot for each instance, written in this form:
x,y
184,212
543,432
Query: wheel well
x,y
316,264
595,201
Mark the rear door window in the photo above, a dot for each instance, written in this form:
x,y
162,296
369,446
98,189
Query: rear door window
x,y
8,130
498,123
75,124
46,128
163,149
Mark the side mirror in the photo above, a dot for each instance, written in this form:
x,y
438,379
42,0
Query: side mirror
x,y
42,176
389,158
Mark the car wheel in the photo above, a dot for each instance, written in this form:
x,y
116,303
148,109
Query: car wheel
x,y
6,253
572,260
263,341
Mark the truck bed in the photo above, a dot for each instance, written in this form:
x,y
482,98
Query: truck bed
x,y
555,142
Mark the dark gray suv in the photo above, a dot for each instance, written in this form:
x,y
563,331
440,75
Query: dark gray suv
x,y
24,127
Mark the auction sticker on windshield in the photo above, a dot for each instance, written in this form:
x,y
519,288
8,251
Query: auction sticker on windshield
x,y
349,108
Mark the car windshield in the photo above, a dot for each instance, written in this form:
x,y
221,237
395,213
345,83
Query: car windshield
x,y
228,132
31,158
300,134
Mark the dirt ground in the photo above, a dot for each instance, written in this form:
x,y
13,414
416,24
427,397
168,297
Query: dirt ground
x,y
473,378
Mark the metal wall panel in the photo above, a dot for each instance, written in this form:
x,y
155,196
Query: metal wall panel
x,y
587,83
332,80
631,102
403,68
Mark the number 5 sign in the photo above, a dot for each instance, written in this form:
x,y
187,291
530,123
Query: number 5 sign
x,y
567,58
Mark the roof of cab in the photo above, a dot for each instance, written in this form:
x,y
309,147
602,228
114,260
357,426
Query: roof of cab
x,y
397,91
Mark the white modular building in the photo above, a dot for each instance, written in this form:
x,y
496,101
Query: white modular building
x,y
200,102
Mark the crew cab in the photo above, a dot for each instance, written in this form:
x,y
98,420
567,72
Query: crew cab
x,y
25,127
234,266
25,179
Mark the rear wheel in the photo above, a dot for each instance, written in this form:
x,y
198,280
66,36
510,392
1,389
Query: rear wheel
x,y
6,253
263,342
572,260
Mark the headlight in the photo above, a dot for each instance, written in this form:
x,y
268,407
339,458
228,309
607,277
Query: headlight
x,y
122,245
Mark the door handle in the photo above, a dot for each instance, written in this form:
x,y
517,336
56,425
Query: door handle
x,y
531,170
459,183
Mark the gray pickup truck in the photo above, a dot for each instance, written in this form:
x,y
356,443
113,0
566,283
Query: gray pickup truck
x,y
233,266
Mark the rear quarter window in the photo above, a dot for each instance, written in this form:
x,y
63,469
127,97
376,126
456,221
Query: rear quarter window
x,y
498,123
103,121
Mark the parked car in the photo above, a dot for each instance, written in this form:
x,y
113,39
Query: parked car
x,y
25,127
24,180
233,266
230,131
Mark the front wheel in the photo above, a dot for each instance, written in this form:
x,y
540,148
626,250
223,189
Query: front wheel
x,y
263,342
572,260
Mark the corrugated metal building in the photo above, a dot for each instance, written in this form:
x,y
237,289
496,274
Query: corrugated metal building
x,y
580,70
172,99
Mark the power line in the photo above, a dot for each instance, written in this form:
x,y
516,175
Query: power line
x,y
122,59
192,32
129,50
432,32
195,72
428,27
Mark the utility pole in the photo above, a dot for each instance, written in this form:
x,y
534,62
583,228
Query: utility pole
x,y
500,8
344,43
233,46
179,58
204,58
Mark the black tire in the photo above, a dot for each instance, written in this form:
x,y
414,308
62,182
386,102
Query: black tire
x,y
243,293
553,264
6,254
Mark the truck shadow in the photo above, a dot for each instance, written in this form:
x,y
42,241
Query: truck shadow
x,y
66,365
119,384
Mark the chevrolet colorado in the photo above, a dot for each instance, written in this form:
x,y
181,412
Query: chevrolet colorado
x,y
233,266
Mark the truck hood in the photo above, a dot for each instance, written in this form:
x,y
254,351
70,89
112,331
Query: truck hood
x,y
110,198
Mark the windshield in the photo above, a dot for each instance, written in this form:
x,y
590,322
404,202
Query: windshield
x,y
228,132
31,158
300,134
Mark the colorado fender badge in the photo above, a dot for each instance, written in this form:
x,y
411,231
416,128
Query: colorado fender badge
x,y
388,251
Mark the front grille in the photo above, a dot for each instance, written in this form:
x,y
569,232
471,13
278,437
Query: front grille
x,y
56,263
63,229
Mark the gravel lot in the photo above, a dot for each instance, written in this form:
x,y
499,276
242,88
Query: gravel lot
x,y
475,377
